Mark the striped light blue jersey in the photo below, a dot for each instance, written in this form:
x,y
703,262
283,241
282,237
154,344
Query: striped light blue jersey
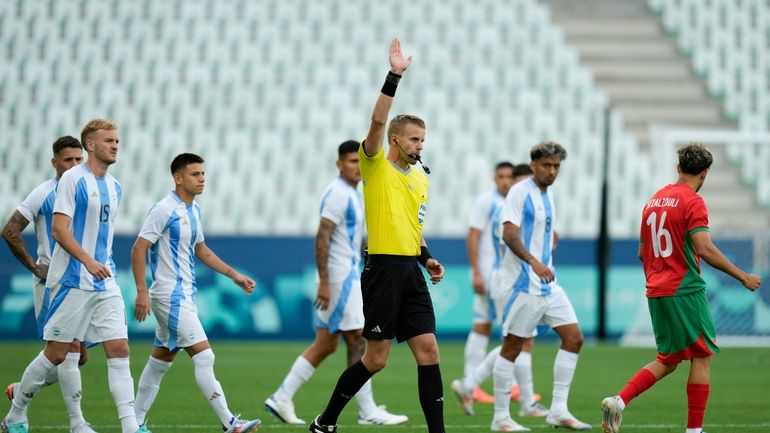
x,y
174,228
37,208
485,217
342,204
92,203
533,211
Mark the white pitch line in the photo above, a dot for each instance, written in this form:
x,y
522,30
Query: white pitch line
x,y
420,426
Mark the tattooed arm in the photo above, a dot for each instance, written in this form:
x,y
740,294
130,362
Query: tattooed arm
x,y
322,240
513,241
12,234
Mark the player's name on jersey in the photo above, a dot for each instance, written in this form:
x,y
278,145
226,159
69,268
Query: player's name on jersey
x,y
663,202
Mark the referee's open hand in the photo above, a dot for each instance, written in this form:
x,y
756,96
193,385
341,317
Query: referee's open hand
x,y
435,269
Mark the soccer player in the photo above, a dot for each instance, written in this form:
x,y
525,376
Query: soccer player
x,y
485,245
173,235
85,300
527,280
674,237
37,208
338,303
396,299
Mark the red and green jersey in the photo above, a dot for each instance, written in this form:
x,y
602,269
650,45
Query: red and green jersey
x,y
669,219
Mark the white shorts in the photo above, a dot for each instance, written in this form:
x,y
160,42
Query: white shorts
x,y
85,315
178,324
484,310
346,307
522,312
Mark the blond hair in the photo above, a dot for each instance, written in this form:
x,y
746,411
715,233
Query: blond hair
x,y
398,123
95,125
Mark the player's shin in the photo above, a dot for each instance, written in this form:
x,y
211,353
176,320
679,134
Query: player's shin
x,y
149,385
31,382
697,397
71,387
122,390
209,386
563,372
502,375
522,370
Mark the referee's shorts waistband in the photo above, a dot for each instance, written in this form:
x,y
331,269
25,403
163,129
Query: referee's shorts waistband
x,y
390,259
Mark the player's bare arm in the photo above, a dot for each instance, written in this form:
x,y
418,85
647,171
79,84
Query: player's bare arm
x,y
474,235
208,258
513,241
12,234
322,240
139,270
433,266
714,257
398,65
60,229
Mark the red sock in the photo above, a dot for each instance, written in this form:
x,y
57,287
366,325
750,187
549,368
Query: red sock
x,y
642,381
697,396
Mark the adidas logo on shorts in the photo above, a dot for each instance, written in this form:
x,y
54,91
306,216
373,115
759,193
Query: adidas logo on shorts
x,y
376,329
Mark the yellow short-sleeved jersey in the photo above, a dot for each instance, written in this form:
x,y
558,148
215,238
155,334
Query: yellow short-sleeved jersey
x,y
395,204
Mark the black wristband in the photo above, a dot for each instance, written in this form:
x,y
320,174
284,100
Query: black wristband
x,y
424,256
390,85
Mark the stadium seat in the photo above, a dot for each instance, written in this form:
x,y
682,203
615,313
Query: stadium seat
x,y
266,90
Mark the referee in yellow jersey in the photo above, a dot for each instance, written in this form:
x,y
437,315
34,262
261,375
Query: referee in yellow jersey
x,y
396,299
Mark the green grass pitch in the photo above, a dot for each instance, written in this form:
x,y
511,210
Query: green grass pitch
x,y
250,371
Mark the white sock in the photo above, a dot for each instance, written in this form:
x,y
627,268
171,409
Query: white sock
x,y
502,375
563,371
475,350
522,370
207,382
365,400
31,382
122,390
149,385
300,372
694,430
53,377
71,387
483,371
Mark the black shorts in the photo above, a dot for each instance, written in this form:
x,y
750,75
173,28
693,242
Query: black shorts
x,y
396,299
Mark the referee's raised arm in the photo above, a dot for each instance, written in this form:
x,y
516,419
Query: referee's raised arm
x,y
398,65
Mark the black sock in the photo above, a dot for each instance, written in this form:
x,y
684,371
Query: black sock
x,y
350,381
431,396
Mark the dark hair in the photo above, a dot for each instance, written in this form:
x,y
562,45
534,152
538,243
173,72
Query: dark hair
x,y
183,160
521,170
503,164
546,149
66,141
346,147
694,158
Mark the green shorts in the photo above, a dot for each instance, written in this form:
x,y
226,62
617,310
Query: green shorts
x,y
678,322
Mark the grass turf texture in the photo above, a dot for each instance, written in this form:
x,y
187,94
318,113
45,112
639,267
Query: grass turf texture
x,y
250,371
